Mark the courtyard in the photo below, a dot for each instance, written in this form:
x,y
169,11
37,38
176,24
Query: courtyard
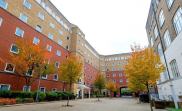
x,y
106,104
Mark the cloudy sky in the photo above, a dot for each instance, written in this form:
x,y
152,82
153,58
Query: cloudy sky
x,y
110,26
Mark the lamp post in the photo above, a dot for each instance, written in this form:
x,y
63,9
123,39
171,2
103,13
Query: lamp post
x,y
165,60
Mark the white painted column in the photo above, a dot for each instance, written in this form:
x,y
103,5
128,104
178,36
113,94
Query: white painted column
x,y
89,93
82,93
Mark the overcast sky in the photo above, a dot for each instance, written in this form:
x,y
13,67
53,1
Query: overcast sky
x,y
110,26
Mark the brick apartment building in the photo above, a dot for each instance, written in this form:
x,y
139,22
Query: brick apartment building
x,y
41,22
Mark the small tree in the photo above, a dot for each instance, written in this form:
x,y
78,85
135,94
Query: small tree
x,y
111,86
99,84
143,69
30,61
70,72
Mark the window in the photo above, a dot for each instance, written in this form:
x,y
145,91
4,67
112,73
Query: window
x,y
120,74
3,4
177,21
55,77
68,38
152,41
67,47
156,32
52,25
60,32
58,53
113,75
159,48
60,42
19,32
41,16
50,36
9,68
38,28
42,89
169,3
36,40
27,4
1,21
167,39
54,89
14,49
174,68
44,76
29,72
23,17
26,88
121,81
49,48
4,87
161,18
57,64
114,80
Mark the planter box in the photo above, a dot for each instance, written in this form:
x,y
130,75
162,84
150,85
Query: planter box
x,y
7,101
159,104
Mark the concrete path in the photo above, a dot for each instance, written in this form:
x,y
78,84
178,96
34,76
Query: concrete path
x,y
120,104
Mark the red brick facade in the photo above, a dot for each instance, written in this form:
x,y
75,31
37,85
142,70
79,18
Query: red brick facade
x,y
118,77
89,74
8,37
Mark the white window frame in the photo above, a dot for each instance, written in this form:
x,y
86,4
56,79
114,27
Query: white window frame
x,y
1,21
60,42
6,5
44,76
29,74
27,4
35,40
50,36
167,39
174,68
58,53
9,86
41,15
49,48
21,15
12,50
7,70
156,32
56,64
152,41
169,3
43,88
52,25
177,21
56,78
161,18
121,81
19,29
29,88
38,28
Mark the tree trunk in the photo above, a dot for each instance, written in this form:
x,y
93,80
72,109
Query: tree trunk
x,y
70,84
149,97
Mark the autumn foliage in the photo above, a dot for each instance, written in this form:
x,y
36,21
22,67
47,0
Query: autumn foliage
x,y
30,61
70,70
111,86
143,68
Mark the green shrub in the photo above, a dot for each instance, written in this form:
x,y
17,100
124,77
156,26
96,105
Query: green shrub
x,y
51,96
24,100
21,94
5,94
41,96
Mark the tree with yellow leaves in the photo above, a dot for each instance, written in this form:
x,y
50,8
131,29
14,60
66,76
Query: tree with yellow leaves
x,y
111,86
30,61
99,84
70,72
143,68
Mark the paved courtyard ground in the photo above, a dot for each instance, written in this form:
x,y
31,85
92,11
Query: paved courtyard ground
x,y
120,104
